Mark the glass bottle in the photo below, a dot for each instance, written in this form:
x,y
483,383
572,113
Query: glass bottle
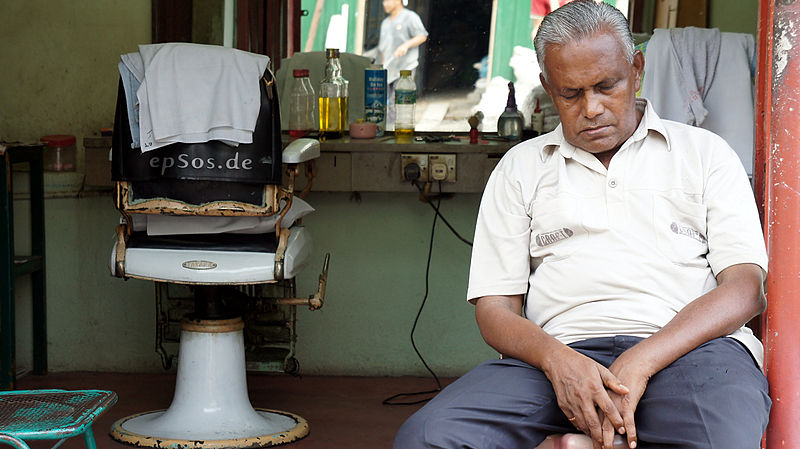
x,y
511,121
302,105
405,99
537,120
333,93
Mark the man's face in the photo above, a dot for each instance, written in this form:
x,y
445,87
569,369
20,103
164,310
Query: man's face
x,y
593,87
391,5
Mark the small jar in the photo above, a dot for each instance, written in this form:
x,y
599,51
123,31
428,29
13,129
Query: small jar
x,y
59,153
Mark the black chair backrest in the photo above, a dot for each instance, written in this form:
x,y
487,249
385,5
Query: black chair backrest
x,y
199,173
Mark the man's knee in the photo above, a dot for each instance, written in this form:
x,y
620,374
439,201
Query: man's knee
x,y
715,397
422,430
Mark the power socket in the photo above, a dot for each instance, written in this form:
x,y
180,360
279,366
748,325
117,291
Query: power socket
x,y
442,167
410,164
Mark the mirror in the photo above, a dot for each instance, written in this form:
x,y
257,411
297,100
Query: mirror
x,y
474,48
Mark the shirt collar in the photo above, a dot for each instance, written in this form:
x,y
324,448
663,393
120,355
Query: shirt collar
x,y
650,122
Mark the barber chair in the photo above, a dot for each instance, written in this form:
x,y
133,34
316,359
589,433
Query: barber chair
x,y
211,181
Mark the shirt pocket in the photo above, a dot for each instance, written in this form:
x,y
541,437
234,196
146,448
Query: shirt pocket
x,y
557,230
680,229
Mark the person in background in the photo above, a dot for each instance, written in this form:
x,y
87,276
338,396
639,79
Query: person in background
x,y
402,32
615,263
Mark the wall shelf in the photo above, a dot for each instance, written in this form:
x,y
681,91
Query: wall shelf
x,y
373,165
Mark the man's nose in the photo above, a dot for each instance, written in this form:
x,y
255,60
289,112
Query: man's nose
x,y
592,105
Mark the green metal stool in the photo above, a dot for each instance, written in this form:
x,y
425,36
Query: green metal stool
x,y
51,415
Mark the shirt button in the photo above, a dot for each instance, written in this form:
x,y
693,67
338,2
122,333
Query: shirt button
x,y
612,183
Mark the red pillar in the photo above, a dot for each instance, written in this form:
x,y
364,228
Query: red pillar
x,y
782,220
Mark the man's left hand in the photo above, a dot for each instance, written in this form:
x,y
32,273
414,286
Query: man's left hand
x,y
629,372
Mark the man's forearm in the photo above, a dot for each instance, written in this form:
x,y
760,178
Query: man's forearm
x,y
505,329
736,300
415,41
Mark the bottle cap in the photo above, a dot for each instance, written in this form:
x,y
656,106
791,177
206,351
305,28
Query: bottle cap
x,y
332,53
58,140
405,73
536,109
299,73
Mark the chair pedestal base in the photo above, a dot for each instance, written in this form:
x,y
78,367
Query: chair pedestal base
x,y
211,408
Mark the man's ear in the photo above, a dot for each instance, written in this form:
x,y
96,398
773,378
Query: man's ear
x,y
638,68
547,89
544,83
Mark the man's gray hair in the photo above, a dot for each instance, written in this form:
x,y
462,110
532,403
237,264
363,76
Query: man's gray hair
x,y
578,20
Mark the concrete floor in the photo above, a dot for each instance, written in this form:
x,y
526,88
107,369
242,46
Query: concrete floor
x,y
343,412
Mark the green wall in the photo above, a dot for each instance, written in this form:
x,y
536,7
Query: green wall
x,y
60,63
376,283
740,16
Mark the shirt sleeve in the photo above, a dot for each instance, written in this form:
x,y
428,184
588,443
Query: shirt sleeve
x,y
415,26
500,262
734,229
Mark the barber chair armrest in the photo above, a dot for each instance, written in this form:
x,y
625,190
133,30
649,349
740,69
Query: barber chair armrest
x,y
301,150
273,195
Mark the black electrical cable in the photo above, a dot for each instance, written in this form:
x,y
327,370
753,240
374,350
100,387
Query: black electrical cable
x,y
391,399
439,214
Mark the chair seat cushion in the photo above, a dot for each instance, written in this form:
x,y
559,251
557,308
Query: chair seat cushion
x,y
248,243
210,260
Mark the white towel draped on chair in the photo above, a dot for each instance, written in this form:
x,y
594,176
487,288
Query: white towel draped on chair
x,y
194,93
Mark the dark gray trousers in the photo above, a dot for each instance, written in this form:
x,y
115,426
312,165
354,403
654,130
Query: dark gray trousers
x,y
713,397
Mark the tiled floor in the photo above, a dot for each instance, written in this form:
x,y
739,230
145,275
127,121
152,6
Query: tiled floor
x,y
343,412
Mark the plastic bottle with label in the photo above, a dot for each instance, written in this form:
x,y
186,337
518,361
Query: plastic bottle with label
x,y
375,97
333,94
302,105
405,100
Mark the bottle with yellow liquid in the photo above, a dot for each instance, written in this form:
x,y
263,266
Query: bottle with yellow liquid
x,y
333,93
405,100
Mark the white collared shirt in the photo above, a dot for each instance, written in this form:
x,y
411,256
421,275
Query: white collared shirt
x,y
618,251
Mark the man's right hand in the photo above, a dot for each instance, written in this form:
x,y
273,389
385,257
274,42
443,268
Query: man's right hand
x,y
580,385
579,382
